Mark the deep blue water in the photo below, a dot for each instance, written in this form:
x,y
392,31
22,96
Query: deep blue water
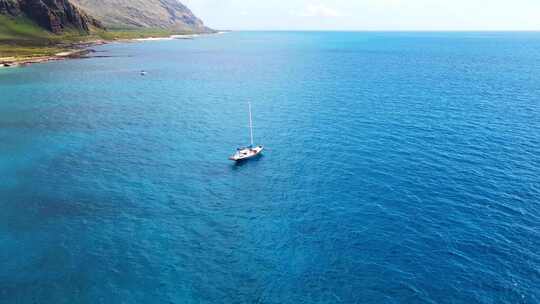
x,y
400,168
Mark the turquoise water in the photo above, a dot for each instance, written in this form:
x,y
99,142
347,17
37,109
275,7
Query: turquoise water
x,y
400,168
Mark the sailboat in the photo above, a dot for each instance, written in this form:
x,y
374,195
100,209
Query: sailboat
x,y
247,152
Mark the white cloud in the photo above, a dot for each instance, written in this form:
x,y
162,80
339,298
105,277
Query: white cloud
x,y
319,10
384,15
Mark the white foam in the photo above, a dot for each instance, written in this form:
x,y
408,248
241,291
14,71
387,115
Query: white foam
x,y
153,39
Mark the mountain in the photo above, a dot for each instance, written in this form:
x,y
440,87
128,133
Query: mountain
x,y
139,14
37,28
55,16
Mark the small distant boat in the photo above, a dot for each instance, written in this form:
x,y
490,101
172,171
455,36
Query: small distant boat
x,y
143,73
247,152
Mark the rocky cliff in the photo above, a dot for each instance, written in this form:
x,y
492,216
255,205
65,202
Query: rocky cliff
x,y
9,7
134,14
57,16
53,15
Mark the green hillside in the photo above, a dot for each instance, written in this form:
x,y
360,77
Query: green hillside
x,y
49,27
21,37
21,30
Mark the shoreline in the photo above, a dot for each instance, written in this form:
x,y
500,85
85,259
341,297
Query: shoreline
x,y
81,50
72,51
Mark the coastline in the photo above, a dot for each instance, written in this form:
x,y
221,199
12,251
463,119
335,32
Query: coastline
x,y
73,51
83,49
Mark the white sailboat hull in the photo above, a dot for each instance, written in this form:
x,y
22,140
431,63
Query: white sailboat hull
x,y
246,153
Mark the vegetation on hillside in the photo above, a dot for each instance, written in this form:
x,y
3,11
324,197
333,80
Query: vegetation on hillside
x,y
34,28
22,31
22,38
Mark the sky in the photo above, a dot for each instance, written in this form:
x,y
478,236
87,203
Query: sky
x,y
399,15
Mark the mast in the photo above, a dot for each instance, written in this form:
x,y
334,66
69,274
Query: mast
x,y
250,125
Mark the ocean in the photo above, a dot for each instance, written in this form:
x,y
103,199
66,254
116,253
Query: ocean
x,y
399,168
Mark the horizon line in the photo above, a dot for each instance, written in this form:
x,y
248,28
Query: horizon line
x,y
388,31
